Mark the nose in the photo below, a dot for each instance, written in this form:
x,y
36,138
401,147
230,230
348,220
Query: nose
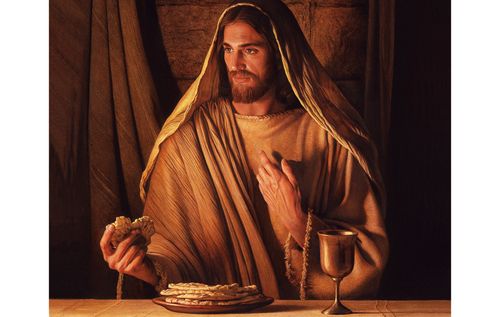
x,y
237,61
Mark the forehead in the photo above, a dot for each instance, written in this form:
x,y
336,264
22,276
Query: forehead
x,y
238,33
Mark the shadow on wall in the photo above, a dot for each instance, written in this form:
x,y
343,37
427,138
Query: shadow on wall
x,y
166,85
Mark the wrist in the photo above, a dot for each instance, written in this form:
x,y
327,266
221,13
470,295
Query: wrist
x,y
296,224
299,220
146,272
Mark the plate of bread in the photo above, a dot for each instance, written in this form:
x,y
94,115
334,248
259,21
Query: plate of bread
x,y
202,298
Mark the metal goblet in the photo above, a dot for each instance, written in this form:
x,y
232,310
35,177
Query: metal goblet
x,y
336,249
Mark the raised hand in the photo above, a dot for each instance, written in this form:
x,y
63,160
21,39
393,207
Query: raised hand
x,y
281,192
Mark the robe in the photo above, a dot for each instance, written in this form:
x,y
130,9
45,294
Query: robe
x,y
213,225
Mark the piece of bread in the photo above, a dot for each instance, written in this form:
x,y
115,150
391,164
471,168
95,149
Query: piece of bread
x,y
123,227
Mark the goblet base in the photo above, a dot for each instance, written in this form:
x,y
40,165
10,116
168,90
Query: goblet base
x,y
337,309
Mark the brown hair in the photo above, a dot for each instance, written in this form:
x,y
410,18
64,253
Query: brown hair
x,y
261,24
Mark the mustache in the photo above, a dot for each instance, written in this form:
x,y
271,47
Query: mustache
x,y
242,73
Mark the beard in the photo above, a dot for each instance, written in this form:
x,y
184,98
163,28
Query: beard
x,y
242,93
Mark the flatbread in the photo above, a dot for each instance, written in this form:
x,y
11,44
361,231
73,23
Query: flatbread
x,y
213,297
208,295
201,286
203,294
197,302
193,287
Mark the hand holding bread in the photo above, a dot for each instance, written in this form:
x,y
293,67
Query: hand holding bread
x,y
124,244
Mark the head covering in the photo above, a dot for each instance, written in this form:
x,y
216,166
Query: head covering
x,y
311,84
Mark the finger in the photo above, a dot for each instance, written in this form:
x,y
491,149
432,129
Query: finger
x,y
124,245
127,258
265,193
105,242
287,170
260,180
136,262
264,188
264,177
267,179
270,168
262,184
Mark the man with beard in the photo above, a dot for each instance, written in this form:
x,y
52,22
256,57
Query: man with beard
x,y
259,154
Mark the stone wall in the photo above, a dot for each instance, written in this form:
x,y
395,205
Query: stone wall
x,y
335,29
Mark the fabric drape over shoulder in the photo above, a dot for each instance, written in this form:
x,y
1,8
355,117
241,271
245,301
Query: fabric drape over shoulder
x,y
207,229
310,82
213,226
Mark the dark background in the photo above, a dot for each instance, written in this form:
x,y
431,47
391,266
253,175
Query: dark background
x,y
418,172
419,175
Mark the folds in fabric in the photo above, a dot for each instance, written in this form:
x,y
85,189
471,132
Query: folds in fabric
x,y
310,82
68,156
379,73
122,122
207,228
211,227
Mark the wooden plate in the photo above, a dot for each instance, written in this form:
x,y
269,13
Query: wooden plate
x,y
213,309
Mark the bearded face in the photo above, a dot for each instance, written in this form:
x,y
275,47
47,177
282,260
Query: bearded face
x,y
248,61
247,87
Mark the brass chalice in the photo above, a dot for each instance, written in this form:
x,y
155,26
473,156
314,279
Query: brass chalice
x,y
336,249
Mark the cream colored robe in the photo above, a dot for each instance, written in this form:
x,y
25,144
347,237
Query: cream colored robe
x,y
213,225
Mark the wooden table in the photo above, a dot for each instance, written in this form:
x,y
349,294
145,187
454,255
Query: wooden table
x,y
371,308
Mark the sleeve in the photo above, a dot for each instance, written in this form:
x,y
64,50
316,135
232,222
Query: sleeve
x,y
172,250
352,206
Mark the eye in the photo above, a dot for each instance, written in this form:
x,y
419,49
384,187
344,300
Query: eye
x,y
228,50
251,51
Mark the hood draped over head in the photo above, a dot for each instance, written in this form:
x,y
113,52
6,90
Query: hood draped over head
x,y
311,84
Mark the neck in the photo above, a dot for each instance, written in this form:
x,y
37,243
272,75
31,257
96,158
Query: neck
x,y
267,104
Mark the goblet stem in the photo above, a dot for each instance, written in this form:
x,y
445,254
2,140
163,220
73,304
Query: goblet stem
x,y
337,308
336,281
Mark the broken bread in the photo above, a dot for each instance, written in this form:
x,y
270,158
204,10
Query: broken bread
x,y
124,226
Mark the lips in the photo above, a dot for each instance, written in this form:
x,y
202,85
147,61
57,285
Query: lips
x,y
241,76
241,79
